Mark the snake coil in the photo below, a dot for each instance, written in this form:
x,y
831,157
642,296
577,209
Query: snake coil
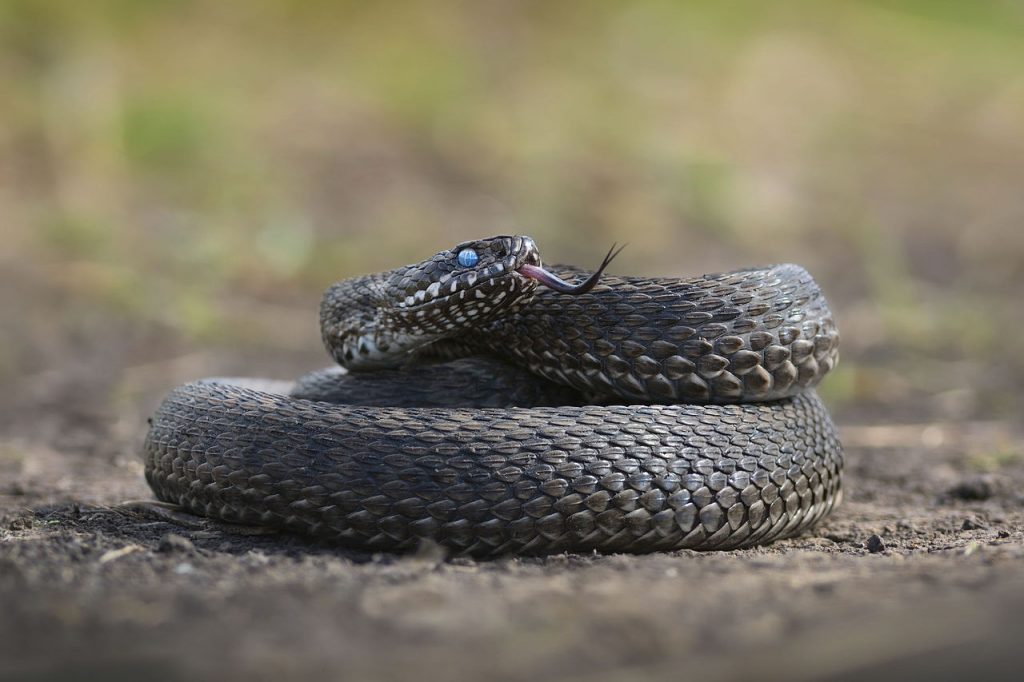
x,y
489,405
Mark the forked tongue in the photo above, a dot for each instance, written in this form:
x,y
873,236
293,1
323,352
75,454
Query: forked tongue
x,y
555,282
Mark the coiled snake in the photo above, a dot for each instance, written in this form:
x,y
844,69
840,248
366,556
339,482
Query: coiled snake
x,y
493,408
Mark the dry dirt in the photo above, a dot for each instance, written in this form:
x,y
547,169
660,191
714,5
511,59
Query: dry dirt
x,y
920,573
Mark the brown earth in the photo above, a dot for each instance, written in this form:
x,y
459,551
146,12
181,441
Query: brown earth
x,y
919,573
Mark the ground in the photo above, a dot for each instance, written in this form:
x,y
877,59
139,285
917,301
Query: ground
x,y
920,570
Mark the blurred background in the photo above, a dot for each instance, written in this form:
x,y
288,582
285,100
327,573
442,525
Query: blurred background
x,y
180,180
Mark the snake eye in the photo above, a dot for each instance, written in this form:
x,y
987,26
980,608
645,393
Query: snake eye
x,y
467,258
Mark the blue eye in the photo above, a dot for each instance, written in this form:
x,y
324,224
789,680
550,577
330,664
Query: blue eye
x,y
468,258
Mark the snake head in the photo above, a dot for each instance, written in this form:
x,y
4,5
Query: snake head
x,y
474,280
377,320
461,287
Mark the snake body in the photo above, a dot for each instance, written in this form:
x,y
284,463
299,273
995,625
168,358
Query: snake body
x,y
493,408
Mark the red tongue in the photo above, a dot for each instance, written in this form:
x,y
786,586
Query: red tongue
x,y
558,284
552,281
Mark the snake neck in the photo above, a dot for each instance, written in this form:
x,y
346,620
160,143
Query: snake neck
x,y
357,325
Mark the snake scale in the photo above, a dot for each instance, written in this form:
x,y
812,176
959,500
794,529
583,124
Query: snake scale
x,y
488,405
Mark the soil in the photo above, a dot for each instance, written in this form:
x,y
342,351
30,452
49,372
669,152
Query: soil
x,y
919,573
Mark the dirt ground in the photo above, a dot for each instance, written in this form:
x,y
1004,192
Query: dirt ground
x,y
920,573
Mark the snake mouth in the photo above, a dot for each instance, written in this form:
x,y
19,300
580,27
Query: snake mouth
x,y
553,281
511,271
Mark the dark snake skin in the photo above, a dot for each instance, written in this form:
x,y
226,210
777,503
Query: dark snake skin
x,y
655,414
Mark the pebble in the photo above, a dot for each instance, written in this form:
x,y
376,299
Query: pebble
x,y
875,544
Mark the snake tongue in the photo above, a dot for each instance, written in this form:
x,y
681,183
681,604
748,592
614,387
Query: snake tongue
x,y
555,282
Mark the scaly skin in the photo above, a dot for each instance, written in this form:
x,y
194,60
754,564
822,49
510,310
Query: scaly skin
x,y
502,460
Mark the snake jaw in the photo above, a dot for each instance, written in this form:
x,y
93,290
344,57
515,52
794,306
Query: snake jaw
x,y
444,281
454,291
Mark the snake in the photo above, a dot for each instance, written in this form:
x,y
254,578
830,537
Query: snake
x,y
491,405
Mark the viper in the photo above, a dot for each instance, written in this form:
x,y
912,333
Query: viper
x,y
494,405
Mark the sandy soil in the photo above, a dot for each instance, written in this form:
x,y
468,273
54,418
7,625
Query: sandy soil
x,y
919,574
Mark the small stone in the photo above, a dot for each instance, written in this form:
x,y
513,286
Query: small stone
x,y
875,544
171,543
973,524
